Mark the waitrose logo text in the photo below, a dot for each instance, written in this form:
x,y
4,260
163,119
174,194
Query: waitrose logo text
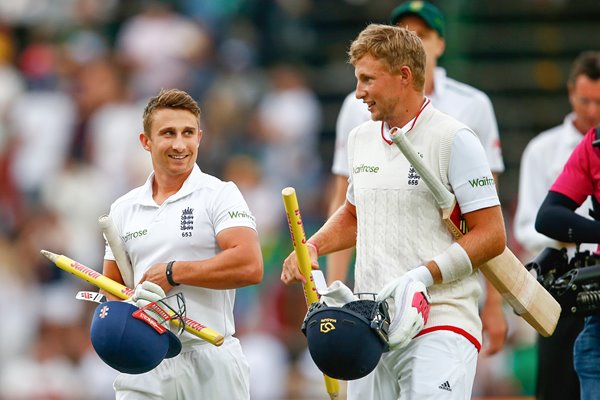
x,y
134,235
480,182
366,168
240,214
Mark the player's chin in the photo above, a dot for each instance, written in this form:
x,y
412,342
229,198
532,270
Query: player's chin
x,y
375,114
180,167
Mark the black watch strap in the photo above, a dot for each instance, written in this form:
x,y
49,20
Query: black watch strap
x,y
169,273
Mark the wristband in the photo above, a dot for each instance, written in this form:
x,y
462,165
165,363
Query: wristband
x,y
169,273
454,263
314,246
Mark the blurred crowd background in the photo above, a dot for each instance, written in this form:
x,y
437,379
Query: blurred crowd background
x,y
270,76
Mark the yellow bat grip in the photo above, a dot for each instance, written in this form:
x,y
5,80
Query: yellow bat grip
x,y
123,292
299,241
292,210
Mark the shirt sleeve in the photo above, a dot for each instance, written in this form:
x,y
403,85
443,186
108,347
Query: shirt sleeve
x,y
469,174
231,210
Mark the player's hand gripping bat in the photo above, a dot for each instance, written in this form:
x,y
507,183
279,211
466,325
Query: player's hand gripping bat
x,y
123,292
507,274
302,256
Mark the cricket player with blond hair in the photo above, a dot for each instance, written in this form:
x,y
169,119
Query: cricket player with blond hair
x,y
463,102
404,249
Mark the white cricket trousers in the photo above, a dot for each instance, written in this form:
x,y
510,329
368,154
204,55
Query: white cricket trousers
x,y
439,365
202,371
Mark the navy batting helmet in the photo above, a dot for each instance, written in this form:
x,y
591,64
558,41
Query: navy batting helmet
x,y
347,342
129,340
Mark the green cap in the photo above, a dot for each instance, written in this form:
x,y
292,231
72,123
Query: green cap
x,y
432,16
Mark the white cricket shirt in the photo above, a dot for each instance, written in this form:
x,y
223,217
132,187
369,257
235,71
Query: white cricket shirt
x,y
183,228
398,221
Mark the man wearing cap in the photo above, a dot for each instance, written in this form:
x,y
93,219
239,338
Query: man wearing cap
x,y
463,102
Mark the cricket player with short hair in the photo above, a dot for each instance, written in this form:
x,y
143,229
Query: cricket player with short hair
x,y
463,102
402,243
187,232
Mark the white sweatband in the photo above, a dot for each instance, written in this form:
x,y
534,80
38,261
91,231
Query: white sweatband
x,y
454,263
421,274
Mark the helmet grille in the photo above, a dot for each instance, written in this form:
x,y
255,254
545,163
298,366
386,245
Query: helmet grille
x,y
362,307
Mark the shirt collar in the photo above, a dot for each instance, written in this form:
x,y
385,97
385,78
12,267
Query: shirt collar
x,y
572,136
385,129
189,185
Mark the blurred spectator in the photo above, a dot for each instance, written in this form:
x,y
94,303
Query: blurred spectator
x,y
41,125
12,84
266,205
108,112
289,128
163,48
61,362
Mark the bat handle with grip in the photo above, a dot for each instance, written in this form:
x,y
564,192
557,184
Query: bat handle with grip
x,y
114,241
294,218
442,195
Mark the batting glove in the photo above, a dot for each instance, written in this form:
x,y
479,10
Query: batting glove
x,y
145,293
148,292
411,302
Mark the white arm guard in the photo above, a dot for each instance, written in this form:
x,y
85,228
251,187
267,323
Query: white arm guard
x,y
454,263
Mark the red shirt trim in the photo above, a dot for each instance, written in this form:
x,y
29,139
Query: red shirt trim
x,y
454,329
427,101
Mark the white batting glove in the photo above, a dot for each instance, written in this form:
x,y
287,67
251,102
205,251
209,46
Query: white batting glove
x,y
145,293
148,292
411,302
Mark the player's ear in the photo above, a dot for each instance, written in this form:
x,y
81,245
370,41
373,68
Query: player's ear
x,y
145,141
199,137
440,48
406,74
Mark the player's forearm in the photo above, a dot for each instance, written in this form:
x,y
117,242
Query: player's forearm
x,y
338,233
232,268
486,237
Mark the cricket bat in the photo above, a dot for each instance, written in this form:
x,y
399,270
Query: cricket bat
x,y
123,292
520,289
114,241
294,219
